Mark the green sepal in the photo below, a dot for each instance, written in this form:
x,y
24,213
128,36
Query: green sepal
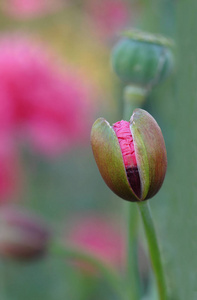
x,y
108,156
150,152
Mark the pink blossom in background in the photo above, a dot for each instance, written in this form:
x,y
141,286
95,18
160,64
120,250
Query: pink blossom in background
x,y
109,16
9,165
45,104
30,8
48,105
62,118
99,235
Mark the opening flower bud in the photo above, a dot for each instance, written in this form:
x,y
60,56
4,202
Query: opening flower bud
x,y
131,156
22,235
142,58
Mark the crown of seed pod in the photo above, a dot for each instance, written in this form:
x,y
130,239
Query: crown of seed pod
x,y
131,156
142,58
23,236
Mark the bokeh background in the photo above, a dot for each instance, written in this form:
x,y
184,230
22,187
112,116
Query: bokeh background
x,y
55,80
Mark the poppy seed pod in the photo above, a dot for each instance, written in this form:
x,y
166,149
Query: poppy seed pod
x,y
131,156
142,59
23,236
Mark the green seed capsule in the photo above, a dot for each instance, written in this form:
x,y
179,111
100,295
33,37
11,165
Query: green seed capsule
x,y
142,59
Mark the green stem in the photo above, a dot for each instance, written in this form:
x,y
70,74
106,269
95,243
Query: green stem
x,y
154,251
134,97
68,252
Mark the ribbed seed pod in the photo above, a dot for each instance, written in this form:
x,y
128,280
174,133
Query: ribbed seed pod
x,y
142,59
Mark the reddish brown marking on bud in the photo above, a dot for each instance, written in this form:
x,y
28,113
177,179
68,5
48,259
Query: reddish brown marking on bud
x,y
123,133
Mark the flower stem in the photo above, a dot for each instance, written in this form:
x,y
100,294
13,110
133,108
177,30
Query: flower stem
x,y
154,251
112,277
134,97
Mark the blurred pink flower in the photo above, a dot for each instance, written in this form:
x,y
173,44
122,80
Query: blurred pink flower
x,y
30,8
100,236
48,105
109,16
9,164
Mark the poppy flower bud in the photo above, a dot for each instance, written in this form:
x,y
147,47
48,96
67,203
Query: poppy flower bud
x,y
22,236
142,59
131,156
